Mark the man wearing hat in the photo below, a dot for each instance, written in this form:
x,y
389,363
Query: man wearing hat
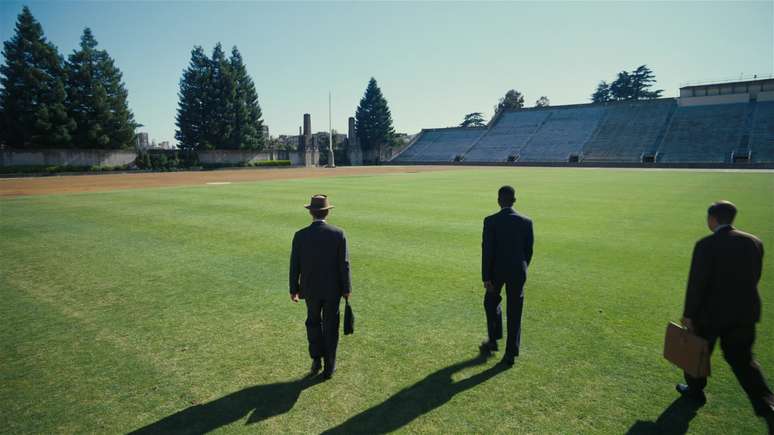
x,y
319,274
506,251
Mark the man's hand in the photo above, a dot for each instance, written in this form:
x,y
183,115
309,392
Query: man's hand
x,y
295,297
688,323
489,286
347,295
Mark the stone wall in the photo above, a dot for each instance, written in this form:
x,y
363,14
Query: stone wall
x,y
66,157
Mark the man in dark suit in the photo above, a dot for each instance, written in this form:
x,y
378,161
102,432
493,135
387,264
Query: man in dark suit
x,y
722,302
319,274
506,251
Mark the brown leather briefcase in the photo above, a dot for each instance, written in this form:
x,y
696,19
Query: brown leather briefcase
x,y
687,351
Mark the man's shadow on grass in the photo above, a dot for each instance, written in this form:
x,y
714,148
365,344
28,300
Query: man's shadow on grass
x,y
673,420
260,401
416,400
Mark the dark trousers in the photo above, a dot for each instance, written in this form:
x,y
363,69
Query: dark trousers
x,y
513,308
322,328
737,344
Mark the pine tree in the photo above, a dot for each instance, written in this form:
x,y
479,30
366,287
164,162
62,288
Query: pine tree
x,y
642,79
220,100
475,119
247,126
193,112
543,101
512,100
602,93
32,99
374,121
97,99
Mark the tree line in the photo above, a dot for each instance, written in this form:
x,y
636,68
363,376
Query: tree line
x,y
49,102
218,105
628,85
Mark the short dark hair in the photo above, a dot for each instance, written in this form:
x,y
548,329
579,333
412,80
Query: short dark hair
x,y
723,211
319,214
506,195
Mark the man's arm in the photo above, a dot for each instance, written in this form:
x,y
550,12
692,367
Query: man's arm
x,y
295,268
698,282
487,252
528,243
345,281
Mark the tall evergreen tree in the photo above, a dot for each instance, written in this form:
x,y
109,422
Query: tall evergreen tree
x,y
32,99
220,100
247,126
97,98
373,121
193,112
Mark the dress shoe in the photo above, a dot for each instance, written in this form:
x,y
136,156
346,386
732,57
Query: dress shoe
x,y
316,366
329,370
508,360
687,392
487,347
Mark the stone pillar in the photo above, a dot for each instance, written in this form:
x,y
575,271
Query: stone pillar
x,y
353,145
312,156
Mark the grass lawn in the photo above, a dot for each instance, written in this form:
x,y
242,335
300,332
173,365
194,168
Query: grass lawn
x,y
167,309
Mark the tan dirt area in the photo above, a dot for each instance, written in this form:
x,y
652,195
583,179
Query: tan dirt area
x,y
51,185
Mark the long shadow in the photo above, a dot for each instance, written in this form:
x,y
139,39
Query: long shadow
x,y
416,400
673,420
263,401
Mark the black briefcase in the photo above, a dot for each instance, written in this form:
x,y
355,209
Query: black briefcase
x,y
349,320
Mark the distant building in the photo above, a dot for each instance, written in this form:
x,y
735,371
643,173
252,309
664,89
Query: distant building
x,y
142,141
290,142
322,139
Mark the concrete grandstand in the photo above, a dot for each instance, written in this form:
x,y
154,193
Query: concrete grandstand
x,y
728,123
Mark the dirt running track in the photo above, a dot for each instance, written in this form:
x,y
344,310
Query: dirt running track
x,y
10,187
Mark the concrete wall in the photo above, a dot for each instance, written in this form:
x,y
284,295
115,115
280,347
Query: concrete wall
x,y
716,99
233,157
66,157
766,96
76,157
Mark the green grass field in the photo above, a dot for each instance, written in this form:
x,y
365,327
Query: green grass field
x,y
167,309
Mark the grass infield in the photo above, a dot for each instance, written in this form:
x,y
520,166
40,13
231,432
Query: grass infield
x,y
167,309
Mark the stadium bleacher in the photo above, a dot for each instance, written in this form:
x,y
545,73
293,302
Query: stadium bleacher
x,y
440,144
629,130
714,124
563,134
507,136
762,134
703,134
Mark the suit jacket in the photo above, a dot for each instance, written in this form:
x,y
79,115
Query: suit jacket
x,y
319,262
506,248
723,282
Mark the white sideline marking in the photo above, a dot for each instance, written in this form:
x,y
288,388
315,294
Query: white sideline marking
x,y
219,183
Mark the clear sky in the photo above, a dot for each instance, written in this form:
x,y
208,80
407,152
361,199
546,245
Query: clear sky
x,y
435,62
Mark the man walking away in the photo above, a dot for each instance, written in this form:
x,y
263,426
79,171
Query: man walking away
x,y
319,274
722,303
506,251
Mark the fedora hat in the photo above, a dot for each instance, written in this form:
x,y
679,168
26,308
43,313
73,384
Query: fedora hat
x,y
319,202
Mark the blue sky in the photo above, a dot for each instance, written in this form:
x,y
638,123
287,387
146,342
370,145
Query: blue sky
x,y
435,62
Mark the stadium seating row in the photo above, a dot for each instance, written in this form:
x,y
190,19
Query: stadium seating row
x,y
626,132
